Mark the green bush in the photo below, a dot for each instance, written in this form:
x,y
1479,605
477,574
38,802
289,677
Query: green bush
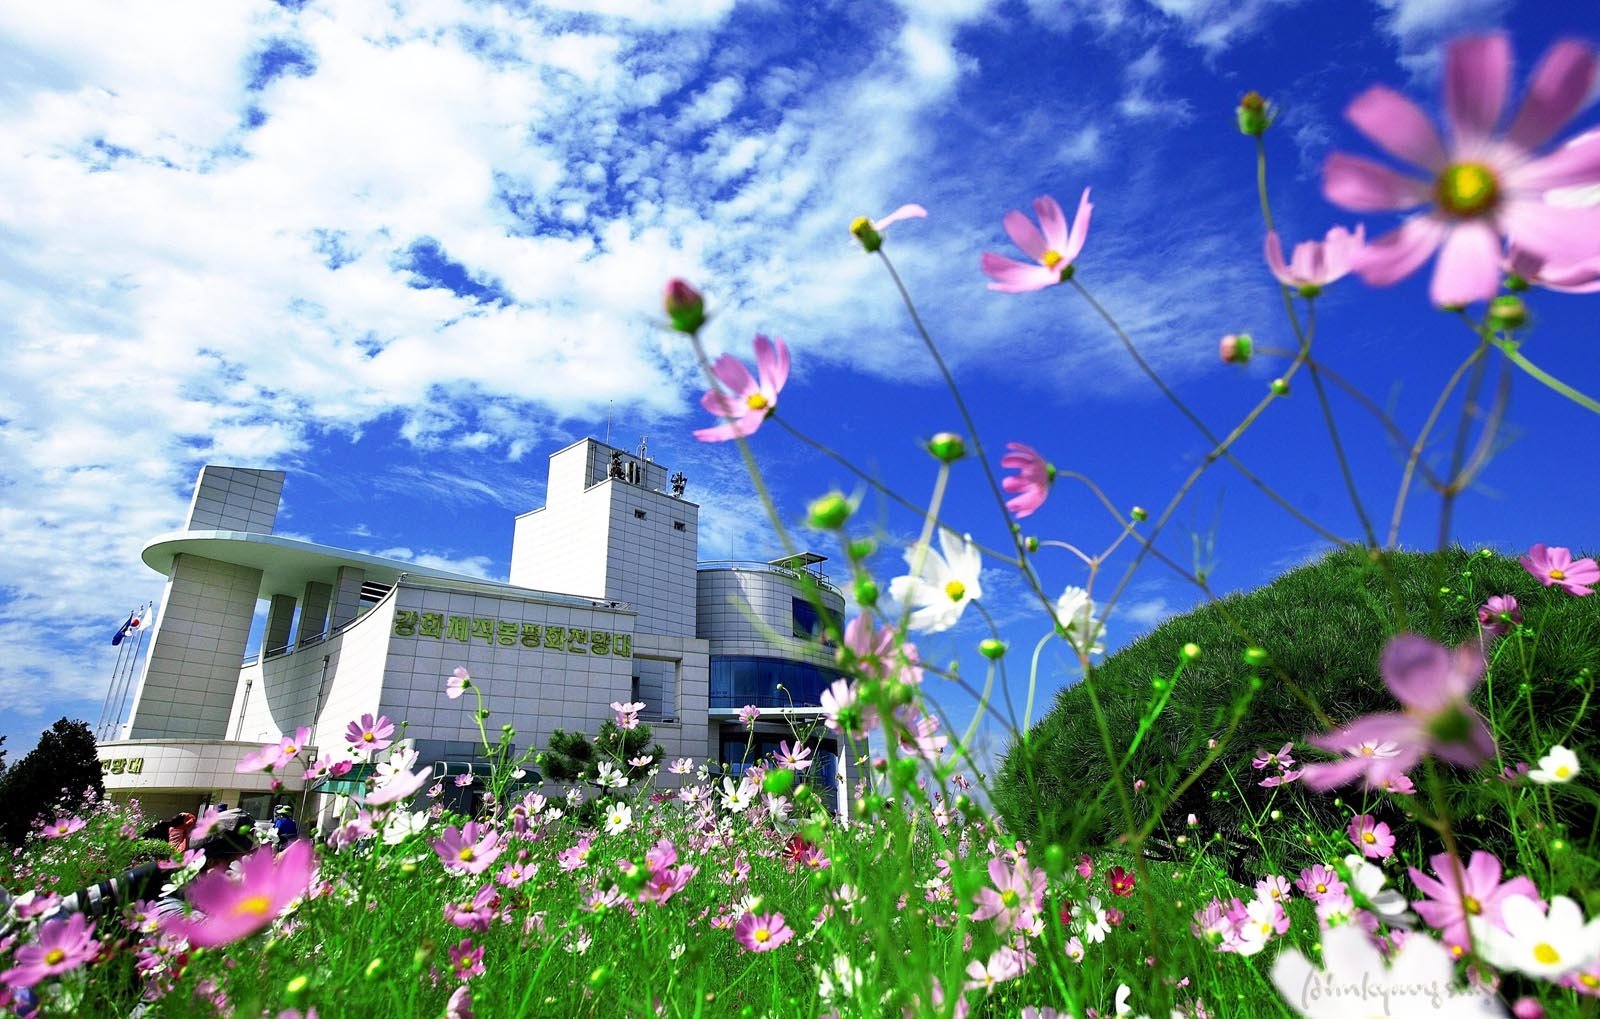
x,y
1324,627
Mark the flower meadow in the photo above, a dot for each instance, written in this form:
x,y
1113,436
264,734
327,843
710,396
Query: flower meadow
x,y
646,887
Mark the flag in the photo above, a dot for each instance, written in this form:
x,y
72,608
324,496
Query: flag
x,y
125,628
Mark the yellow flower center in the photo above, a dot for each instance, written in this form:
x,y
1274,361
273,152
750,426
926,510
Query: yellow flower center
x,y
762,935
1563,772
859,224
1589,980
1321,888
1546,953
1009,897
755,401
956,590
1369,838
54,956
1472,906
255,905
1366,750
1051,258
368,737
466,855
1467,189
1558,574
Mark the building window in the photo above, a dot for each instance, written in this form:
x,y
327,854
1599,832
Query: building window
x,y
679,525
638,514
808,622
737,680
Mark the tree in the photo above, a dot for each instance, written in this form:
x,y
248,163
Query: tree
x,y
56,777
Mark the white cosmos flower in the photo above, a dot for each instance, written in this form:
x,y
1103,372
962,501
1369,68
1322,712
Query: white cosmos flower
x,y
1075,612
618,817
1539,943
1559,765
610,776
737,798
1419,982
1368,879
940,590
403,824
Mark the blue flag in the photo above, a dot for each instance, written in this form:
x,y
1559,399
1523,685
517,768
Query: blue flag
x,y
124,629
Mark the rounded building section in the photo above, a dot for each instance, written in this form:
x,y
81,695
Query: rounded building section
x,y
768,627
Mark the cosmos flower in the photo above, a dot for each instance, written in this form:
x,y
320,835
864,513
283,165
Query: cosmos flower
x,y
762,932
1449,905
1315,264
1499,614
1555,567
230,907
880,653
1371,836
62,945
1350,959
370,734
1031,484
1482,188
746,402
1053,248
1076,621
618,818
941,586
1581,277
1548,944
61,827
870,231
469,849
457,684
1560,765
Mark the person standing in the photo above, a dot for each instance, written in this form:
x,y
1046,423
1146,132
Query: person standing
x,y
283,825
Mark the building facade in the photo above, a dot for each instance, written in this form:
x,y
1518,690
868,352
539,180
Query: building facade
x,y
606,601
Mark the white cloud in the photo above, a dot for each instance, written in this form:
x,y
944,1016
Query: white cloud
x,y
1420,26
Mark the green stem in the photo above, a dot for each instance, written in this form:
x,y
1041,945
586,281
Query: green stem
x,y
1509,349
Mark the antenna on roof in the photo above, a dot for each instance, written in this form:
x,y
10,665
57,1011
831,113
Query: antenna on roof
x,y
609,405
644,450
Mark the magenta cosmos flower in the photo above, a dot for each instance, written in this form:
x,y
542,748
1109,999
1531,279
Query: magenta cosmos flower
x,y
1482,187
1031,484
1017,894
1499,614
63,945
1582,277
747,402
1048,244
762,932
1432,684
61,827
1479,893
230,907
1371,836
1555,567
370,734
1315,264
462,851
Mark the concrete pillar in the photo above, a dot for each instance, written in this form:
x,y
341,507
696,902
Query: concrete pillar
x,y
347,595
314,611
280,621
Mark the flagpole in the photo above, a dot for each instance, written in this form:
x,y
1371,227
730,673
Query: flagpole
x,y
126,667
116,673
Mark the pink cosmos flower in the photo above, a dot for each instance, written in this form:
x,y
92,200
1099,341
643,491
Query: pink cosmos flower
x,y
762,933
795,758
845,713
457,684
1281,759
870,231
63,945
460,1004
229,908
1016,895
61,827
370,734
1371,836
1432,684
747,403
1319,882
401,785
879,652
1031,484
1274,887
1004,964
1499,614
1284,778
1481,188
627,714
1479,893
1555,567
476,913
291,747
748,715
463,851
1316,263
1053,248
467,961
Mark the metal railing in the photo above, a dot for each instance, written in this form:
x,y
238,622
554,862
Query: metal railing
x,y
754,566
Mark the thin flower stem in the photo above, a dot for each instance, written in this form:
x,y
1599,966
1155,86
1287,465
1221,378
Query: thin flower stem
x,y
1469,410
1422,440
1333,430
883,488
1509,349
1221,448
1033,678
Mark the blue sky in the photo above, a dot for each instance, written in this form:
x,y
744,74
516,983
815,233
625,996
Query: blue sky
x,y
404,250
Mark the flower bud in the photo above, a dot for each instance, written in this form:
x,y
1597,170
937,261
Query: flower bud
x,y
992,649
1139,514
870,239
1256,656
866,592
1254,116
1191,651
685,307
829,512
778,782
1508,312
1280,387
1235,348
1031,543
947,447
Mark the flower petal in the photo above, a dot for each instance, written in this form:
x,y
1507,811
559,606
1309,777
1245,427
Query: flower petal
x,y
1469,266
1080,229
772,362
1574,164
1025,235
1052,222
904,212
1399,253
1476,76
1364,186
1556,92
1012,277
1557,236
1272,249
1398,126
733,374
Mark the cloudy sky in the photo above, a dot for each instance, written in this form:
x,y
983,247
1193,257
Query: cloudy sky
x,y
404,249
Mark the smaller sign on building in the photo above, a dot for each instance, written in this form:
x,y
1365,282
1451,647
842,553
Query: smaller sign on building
x,y
122,766
512,633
